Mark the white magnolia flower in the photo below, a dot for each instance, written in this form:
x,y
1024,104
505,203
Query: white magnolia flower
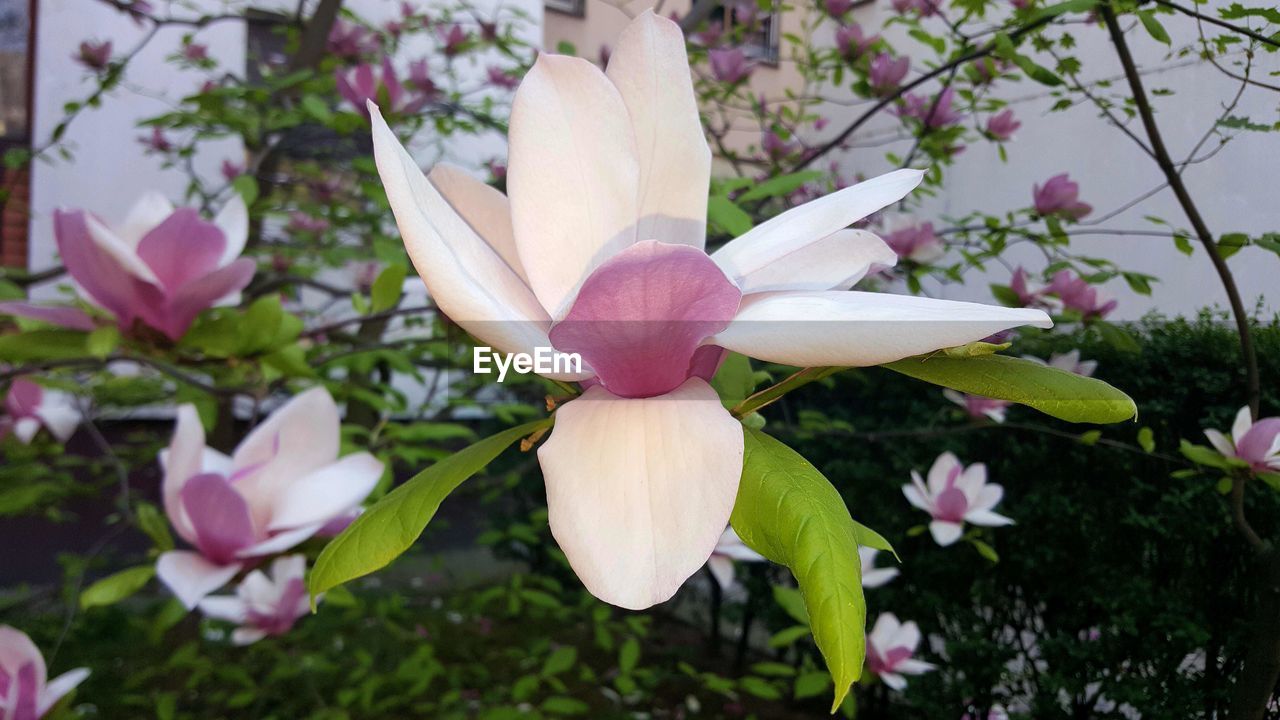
x,y
1255,443
264,604
26,692
955,495
890,647
29,407
599,250
872,576
1069,361
729,549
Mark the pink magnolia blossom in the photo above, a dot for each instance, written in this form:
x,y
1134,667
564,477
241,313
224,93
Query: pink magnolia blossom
x,y
1060,196
300,222
747,12
602,254
917,243
394,28
710,36
852,42
775,147
488,31
730,65
1018,284
157,141
195,52
94,55
955,495
420,78
364,84
1077,294
1069,361
454,40
924,8
977,406
231,170
497,170
26,692
282,485
29,407
931,112
872,576
837,8
891,646
729,550
887,72
500,78
1002,125
1256,443
265,604
161,266
351,42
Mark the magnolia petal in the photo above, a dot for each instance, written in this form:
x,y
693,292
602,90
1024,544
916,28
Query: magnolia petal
x,y
183,460
468,280
640,490
811,329
62,316
486,210
883,631
650,68
233,221
26,429
147,212
894,681
945,533
1220,442
941,471
987,518
878,577
1241,425
971,482
572,176
59,687
987,497
219,515
907,635
721,568
181,249
16,650
791,231
835,262
297,439
191,577
916,496
228,608
326,493
246,636
203,293
101,276
911,666
281,541
107,242
61,418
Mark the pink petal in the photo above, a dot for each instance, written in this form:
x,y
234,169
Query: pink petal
x,y
67,317
639,491
641,316
297,439
191,576
219,515
203,293
106,280
1255,444
182,461
181,249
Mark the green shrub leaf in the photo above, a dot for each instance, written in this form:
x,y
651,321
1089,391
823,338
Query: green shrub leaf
x,y
114,588
1054,392
789,513
389,527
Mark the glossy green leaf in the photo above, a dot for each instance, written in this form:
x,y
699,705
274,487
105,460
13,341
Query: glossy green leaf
x,y
727,216
1054,392
103,341
1153,26
735,380
42,345
387,288
789,513
388,528
779,186
114,588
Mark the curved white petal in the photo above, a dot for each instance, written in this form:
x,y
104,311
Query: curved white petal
x,y
1220,442
1243,421
894,681
61,418
59,687
987,497
885,628
916,497
878,577
987,518
191,577
808,329
486,210
127,256
466,278
971,481
246,636
650,67
721,568
779,236
233,221
907,636
25,429
227,607
280,541
147,212
940,472
835,262
639,490
945,533
572,176
182,460
326,493
911,666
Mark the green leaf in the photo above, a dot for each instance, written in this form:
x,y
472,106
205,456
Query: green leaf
x,y
247,186
1147,439
628,656
1055,392
1117,337
156,527
42,345
114,588
102,341
735,379
779,186
387,288
389,527
1202,455
789,636
560,705
560,659
789,513
1153,26
725,215
867,537
811,684
260,325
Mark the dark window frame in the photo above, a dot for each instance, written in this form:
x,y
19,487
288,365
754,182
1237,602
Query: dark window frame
x,y
570,8
14,244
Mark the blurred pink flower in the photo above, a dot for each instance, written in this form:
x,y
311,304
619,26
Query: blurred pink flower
x,y
851,41
283,483
302,222
500,78
420,78
1002,125
1018,284
837,8
364,273
747,12
264,604
730,65
393,28
955,495
977,406
26,693
917,243
729,549
94,55
1068,361
231,170
887,72
1060,196
935,112
890,647
156,141
1256,443
29,407
364,85
924,8
351,42
709,37
195,52
497,170
775,147
1077,294
488,31
455,40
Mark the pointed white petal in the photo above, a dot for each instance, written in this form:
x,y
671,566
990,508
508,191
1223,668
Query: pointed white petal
x,y
246,636
126,255
911,666
940,472
190,576
784,234
59,687
945,533
650,68
987,497
182,460
233,221
326,493
281,541
226,607
835,262
808,329
917,497
894,681
722,570
1242,423
25,429
147,212
639,490
987,518
877,577
572,176
486,210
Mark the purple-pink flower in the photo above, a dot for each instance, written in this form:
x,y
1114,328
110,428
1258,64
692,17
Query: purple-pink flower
x,y
918,243
29,407
924,8
1060,196
231,170
302,222
977,406
837,8
1077,294
1256,443
454,40
1069,361
420,78
282,485
364,85
887,72
891,646
157,141
195,52
852,42
94,55
498,77
933,112
265,604
1002,125
26,692
350,42
730,65
954,495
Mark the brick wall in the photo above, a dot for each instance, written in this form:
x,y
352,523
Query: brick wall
x,y
14,214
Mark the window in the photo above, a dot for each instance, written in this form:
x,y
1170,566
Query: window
x,y
576,8
761,40
16,18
